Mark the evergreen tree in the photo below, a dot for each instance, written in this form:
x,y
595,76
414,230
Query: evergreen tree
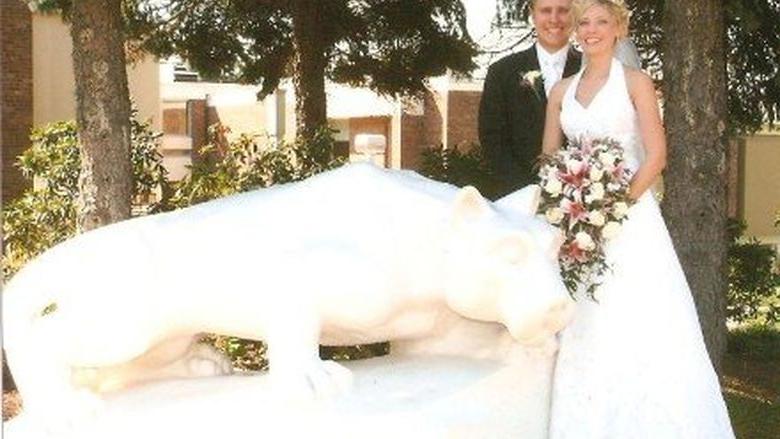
x,y
391,46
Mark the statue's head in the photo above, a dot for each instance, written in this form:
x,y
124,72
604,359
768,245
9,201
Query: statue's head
x,y
502,265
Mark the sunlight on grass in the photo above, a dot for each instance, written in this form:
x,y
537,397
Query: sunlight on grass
x,y
753,418
751,381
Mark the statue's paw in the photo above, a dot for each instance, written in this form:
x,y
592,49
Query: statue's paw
x,y
329,379
63,414
559,315
205,360
320,380
545,346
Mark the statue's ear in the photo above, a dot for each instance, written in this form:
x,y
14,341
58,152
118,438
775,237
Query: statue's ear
x,y
469,205
524,201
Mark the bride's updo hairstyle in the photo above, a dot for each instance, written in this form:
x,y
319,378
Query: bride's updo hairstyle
x,y
617,8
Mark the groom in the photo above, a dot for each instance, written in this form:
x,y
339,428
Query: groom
x,y
514,98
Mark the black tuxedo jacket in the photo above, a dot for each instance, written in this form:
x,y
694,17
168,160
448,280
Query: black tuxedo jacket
x,y
511,118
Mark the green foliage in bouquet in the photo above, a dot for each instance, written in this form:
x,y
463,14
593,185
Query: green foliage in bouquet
x,y
461,168
46,215
754,286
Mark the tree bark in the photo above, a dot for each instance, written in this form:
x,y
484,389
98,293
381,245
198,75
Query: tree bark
x,y
102,112
695,202
308,67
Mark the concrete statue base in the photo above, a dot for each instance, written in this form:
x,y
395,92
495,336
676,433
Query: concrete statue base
x,y
396,396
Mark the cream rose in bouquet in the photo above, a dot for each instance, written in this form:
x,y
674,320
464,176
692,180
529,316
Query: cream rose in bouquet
x,y
585,191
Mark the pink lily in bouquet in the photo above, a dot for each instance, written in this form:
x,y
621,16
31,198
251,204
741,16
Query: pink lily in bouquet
x,y
585,190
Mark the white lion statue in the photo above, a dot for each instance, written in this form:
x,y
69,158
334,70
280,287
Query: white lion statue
x,y
355,255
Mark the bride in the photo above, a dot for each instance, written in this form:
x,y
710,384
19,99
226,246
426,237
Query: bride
x,y
633,363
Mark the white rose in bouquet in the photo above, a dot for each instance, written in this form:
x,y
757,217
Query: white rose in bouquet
x,y
554,215
595,193
596,173
611,230
597,218
553,186
620,209
584,241
607,159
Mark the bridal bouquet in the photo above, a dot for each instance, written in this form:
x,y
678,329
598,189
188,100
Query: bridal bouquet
x,y
585,194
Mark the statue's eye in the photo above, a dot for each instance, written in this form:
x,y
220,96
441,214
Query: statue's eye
x,y
48,309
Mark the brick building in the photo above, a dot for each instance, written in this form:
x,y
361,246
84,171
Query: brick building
x,y
16,91
446,115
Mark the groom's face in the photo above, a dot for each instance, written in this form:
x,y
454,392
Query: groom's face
x,y
552,21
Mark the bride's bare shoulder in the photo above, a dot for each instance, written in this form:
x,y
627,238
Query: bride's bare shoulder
x,y
637,77
639,82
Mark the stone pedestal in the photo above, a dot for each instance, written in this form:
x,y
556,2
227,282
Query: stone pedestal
x,y
397,396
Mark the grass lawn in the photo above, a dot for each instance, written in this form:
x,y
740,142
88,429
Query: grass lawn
x,y
751,382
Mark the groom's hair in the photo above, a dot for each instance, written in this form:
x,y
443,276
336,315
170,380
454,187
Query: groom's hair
x,y
530,5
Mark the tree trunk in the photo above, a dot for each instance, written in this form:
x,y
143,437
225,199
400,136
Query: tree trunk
x,y
102,112
695,201
309,67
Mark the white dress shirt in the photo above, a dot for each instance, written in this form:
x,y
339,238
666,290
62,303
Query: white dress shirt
x,y
552,65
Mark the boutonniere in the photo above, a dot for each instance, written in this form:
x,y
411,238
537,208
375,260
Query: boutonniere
x,y
535,80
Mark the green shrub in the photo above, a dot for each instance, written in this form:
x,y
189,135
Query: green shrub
x,y
754,286
45,215
244,354
250,162
758,342
451,165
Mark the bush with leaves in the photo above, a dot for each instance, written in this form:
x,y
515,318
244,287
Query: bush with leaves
x,y
46,215
252,162
461,168
755,343
754,286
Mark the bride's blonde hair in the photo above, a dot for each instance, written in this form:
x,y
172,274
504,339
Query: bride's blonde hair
x,y
617,8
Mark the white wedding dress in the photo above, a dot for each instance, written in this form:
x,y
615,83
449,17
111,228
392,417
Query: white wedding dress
x,y
633,365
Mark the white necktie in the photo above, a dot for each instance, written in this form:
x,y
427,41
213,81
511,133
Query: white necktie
x,y
552,70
